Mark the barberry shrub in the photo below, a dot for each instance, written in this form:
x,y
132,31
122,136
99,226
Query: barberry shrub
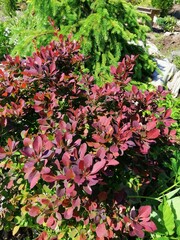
x,y
70,149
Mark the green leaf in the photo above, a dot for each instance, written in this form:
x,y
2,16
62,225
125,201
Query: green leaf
x,y
172,193
174,203
161,238
177,227
15,230
168,217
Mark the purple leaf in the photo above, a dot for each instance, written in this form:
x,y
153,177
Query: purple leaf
x,y
98,166
82,150
37,144
27,151
33,178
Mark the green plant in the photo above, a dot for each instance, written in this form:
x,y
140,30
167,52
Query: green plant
x,y
108,30
176,61
164,5
9,7
167,23
5,46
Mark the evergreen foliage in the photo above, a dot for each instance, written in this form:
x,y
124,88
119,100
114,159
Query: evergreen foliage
x,y
107,29
8,7
164,5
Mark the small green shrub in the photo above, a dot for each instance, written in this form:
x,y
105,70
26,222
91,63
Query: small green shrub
x,y
5,46
167,23
177,62
164,5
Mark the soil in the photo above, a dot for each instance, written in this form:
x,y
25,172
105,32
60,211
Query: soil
x,y
167,42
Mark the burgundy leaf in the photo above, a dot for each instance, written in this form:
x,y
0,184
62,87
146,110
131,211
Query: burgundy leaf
x,y
37,144
34,178
168,113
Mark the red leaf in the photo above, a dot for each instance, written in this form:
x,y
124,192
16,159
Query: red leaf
x,y
149,226
88,161
43,236
37,144
82,150
52,67
49,178
34,211
98,166
150,125
81,165
68,213
101,230
102,196
40,220
168,113
66,159
33,178
50,221
144,211
154,133
134,89
27,142
2,153
38,61
88,189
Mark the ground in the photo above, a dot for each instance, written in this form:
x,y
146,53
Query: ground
x,y
167,42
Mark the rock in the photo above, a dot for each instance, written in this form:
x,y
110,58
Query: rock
x,y
167,34
164,73
174,85
175,11
152,49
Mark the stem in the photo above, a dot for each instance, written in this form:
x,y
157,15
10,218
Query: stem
x,y
146,197
167,190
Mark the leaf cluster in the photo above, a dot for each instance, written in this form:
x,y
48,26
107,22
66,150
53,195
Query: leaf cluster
x,y
72,153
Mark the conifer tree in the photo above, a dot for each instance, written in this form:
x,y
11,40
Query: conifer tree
x,y
108,30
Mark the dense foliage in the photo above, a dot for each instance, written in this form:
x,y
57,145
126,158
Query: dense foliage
x,y
164,5
167,23
76,157
107,29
